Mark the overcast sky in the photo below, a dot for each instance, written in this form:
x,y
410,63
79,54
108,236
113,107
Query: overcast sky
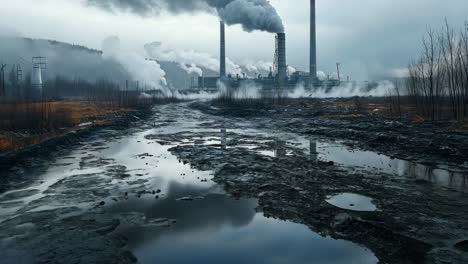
x,y
371,38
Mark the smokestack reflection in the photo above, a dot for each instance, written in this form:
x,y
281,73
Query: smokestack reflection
x,y
313,150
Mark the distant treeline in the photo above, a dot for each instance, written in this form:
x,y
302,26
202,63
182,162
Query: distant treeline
x,y
59,88
438,80
61,102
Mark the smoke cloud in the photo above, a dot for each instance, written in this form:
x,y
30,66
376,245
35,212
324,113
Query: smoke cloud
x,y
190,60
148,73
257,66
348,89
252,90
250,14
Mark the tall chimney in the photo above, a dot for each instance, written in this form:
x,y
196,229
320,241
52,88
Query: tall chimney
x,y
282,68
313,41
222,66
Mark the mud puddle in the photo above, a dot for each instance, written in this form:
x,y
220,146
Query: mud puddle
x,y
254,239
353,202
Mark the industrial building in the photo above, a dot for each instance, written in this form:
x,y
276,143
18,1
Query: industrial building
x,y
278,79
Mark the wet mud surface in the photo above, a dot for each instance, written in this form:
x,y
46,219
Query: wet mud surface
x,y
185,184
438,143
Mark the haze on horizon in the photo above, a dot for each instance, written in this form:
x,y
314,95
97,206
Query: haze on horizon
x,y
372,39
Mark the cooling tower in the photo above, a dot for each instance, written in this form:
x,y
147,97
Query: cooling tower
x,y
222,66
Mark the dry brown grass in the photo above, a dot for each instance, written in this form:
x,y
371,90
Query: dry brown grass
x,y
418,119
8,143
61,117
343,116
77,112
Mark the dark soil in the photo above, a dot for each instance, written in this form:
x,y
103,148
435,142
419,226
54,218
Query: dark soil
x,y
404,230
433,142
416,222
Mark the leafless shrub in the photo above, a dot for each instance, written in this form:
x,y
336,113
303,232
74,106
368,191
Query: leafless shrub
x,y
438,81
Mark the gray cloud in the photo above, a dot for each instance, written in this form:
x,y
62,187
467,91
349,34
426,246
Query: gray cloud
x,y
372,39
251,14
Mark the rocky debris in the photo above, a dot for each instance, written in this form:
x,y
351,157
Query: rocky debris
x,y
51,237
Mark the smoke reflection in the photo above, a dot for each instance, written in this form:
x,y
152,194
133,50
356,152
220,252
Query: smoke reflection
x,y
203,216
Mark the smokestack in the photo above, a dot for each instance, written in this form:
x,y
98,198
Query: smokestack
x,y
282,68
222,66
313,42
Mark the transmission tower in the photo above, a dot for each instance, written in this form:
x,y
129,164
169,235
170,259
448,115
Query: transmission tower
x,y
2,79
19,73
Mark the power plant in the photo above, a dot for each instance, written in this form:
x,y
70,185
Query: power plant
x,y
278,79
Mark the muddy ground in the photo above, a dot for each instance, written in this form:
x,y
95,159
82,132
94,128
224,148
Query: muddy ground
x,y
69,197
416,222
441,142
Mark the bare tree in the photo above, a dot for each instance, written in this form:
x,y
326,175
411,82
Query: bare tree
x,y
438,81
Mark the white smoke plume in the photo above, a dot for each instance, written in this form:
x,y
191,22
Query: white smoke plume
x,y
202,95
257,66
250,14
142,70
322,76
189,60
191,68
251,90
347,89
246,90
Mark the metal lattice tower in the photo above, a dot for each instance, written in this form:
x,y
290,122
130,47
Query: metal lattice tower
x,y
19,73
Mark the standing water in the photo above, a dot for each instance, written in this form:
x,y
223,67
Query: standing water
x,y
169,211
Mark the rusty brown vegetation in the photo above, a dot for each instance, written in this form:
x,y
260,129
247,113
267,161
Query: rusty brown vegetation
x,y
29,115
25,124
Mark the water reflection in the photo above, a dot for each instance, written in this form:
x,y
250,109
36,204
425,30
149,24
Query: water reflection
x,y
220,229
353,202
451,179
262,241
313,150
446,177
209,225
223,138
205,215
280,149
